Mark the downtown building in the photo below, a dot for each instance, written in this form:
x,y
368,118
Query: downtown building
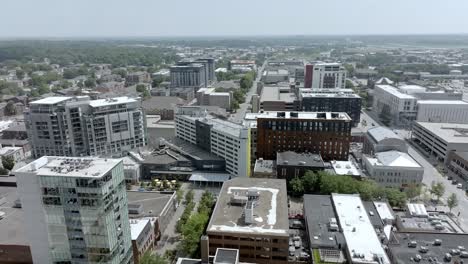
x,y
222,138
324,75
193,73
75,210
78,126
327,100
324,133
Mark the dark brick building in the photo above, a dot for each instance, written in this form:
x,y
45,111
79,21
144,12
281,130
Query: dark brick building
x,y
324,133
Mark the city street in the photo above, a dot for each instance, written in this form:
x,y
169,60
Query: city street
x,y
238,117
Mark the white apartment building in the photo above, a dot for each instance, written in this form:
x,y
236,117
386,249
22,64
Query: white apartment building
x,y
393,169
75,210
78,126
401,106
442,111
222,138
328,75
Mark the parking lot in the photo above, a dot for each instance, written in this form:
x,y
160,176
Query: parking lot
x,y
298,245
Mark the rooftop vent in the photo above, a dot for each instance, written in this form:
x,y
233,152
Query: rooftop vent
x,y
302,162
248,213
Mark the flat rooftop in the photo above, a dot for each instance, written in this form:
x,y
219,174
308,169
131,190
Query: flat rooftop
x,y
318,212
345,167
298,115
226,256
443,102
220,125
153,202
450,133
70,166
264,166
12,231
112,101
137,226
393,158
299,159
277,93
395,92
270,211
51,100
362,241
402,254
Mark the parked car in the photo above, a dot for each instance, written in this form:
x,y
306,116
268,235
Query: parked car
x,y
297,244
454,182
459,186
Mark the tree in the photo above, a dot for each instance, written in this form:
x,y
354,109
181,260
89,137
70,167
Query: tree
x,y
192,232
9,109
20,74
141,88
395,197
189,196
8,162
413,191
90,83
452,201
349,84
296,186
437,189
151,258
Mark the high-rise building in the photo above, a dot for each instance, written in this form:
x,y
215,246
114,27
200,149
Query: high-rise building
x,y
328,75
75,210
308,73
324,133
210,68
78,126
192,75
222,138
326,100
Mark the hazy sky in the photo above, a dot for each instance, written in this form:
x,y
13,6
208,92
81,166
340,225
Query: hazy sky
x,y
95,18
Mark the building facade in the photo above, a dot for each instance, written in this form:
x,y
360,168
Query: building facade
x,y
378,139
77,126
191,75
208,96
442,111
224,139
261,234
400,107
290,165
328,75
458,164
136,78
324,133
143,237
438,140
75,210
393,169
334,100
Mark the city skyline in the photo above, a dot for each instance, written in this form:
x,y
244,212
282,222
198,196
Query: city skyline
x,y
143,18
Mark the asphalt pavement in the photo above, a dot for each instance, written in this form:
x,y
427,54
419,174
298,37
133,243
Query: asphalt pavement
x,y
238,117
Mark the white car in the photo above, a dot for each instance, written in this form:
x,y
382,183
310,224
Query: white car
x,y
459,186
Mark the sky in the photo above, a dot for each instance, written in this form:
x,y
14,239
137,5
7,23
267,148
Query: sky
x,y
154,18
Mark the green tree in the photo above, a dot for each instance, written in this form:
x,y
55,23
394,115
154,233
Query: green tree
x,y
189,197
20,74
152,258
452,201
395,197
368,190
90,83
296,186
349,84
141,88
191,233
413,191
9,109
8,162
437,189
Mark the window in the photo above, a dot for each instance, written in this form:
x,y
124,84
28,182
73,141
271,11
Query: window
x,y
119,126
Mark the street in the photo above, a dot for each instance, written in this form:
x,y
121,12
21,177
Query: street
x,y
238,117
